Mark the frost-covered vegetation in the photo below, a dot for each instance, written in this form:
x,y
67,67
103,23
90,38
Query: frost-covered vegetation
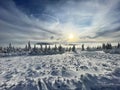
x,y
44,49
47,49
107,48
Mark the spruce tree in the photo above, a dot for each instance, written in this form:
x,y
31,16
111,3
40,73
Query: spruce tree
x,y
49,48
55,48
103,46
88,48
69,49
29,45
60,48
10,46
45,49
83,47
26,48
34,49
41,47
118,46
73,48
9,49
108,46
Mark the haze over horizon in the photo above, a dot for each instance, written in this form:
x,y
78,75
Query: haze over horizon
x,y
59,21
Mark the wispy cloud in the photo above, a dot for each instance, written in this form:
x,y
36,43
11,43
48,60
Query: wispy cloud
x,y
90,18
16,25
36,20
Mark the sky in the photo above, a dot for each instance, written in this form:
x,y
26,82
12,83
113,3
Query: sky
x,y
59,21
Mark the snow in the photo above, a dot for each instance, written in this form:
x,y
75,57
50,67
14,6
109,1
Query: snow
x,y
113,51
82,70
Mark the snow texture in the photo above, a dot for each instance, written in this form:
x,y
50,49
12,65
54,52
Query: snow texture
x,y
83,70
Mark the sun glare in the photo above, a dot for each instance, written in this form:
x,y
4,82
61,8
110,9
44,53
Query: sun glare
x,y
71,36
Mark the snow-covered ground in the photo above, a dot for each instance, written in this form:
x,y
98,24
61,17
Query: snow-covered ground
x,y
69,71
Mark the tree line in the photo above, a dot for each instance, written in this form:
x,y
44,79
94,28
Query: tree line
x,y
104,46
43,49
55,49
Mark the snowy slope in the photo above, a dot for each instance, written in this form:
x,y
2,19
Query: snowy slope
x,y
69,71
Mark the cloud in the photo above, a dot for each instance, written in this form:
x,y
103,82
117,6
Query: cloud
x,y
37,20
103,17
16,25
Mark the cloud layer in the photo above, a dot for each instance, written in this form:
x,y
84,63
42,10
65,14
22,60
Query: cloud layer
x,y
52,20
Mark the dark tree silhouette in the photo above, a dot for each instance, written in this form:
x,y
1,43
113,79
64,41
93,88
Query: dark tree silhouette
x,y
83,47
45,49
60,48
118,46
41,47
108,46
10,45
26,48
69,49
73,48
34,48
49,48
88,48
55,48
29,45
9,48
103,46
98,48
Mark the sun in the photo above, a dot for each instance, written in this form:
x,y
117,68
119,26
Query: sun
x,y
71,36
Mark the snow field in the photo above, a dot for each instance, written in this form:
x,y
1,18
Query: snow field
x,y
69,71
